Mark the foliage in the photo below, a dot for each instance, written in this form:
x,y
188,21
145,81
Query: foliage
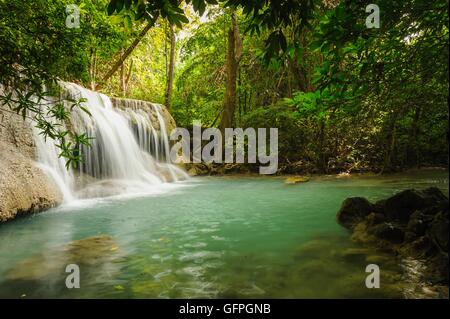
x,y
344,97
263,15
399,70
292,130
37,50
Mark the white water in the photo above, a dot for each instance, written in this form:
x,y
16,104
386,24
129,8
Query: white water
x,y
127,154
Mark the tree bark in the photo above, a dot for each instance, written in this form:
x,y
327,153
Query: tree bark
x,y
321,159
122,79
412,156
126,54
93,68
125,77
128,77
390,144
171,67
234,54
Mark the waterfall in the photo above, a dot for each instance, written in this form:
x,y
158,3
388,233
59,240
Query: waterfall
x,y
128,153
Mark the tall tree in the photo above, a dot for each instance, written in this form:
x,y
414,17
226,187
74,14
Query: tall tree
x,y
234,55
125,76
171,66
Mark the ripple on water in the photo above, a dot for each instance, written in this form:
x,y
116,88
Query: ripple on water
x,y
195,245
200,256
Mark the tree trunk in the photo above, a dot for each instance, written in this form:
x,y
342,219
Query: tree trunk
x,y
234,54
127,79
171,67
93,68
390,145
413,143
125,55
122,79
321,159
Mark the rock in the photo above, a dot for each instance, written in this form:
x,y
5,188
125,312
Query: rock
x,y
233,168
375,219
438,268
361,235
416,226
433,210
377,259
355,254
24,188
413,224
296,180
400,206
420,248
149,108
353,211
388,231
378,207
439,231
97,253
433,195
197,169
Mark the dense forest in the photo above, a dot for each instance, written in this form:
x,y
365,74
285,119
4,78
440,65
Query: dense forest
x,y
344,103
344,96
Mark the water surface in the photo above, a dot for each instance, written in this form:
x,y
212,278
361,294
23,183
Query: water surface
x,y
211,238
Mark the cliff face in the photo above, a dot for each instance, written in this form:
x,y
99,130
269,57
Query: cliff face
x,y
24,188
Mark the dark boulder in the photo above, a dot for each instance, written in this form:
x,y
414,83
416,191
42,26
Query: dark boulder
x,y
375,219
438,268
378,207
438,231
438,207
388,232
421,248
417,225
410,223
400,206
434,195
353,210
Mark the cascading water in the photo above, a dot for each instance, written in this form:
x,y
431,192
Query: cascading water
x,y
127,154
54,166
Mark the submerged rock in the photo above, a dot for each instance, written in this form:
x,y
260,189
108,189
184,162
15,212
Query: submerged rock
x,y
94,253
356,254
377,259
388,231
410,223
438,230
353,210
296,180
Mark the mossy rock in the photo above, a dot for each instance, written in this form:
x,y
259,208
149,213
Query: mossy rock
x,y
296,180
92,252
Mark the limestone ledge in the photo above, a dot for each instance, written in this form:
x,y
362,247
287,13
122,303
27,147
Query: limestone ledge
x,y
24,187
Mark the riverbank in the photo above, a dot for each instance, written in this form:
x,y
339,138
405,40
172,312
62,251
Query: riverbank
x,y
45,195
203,169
